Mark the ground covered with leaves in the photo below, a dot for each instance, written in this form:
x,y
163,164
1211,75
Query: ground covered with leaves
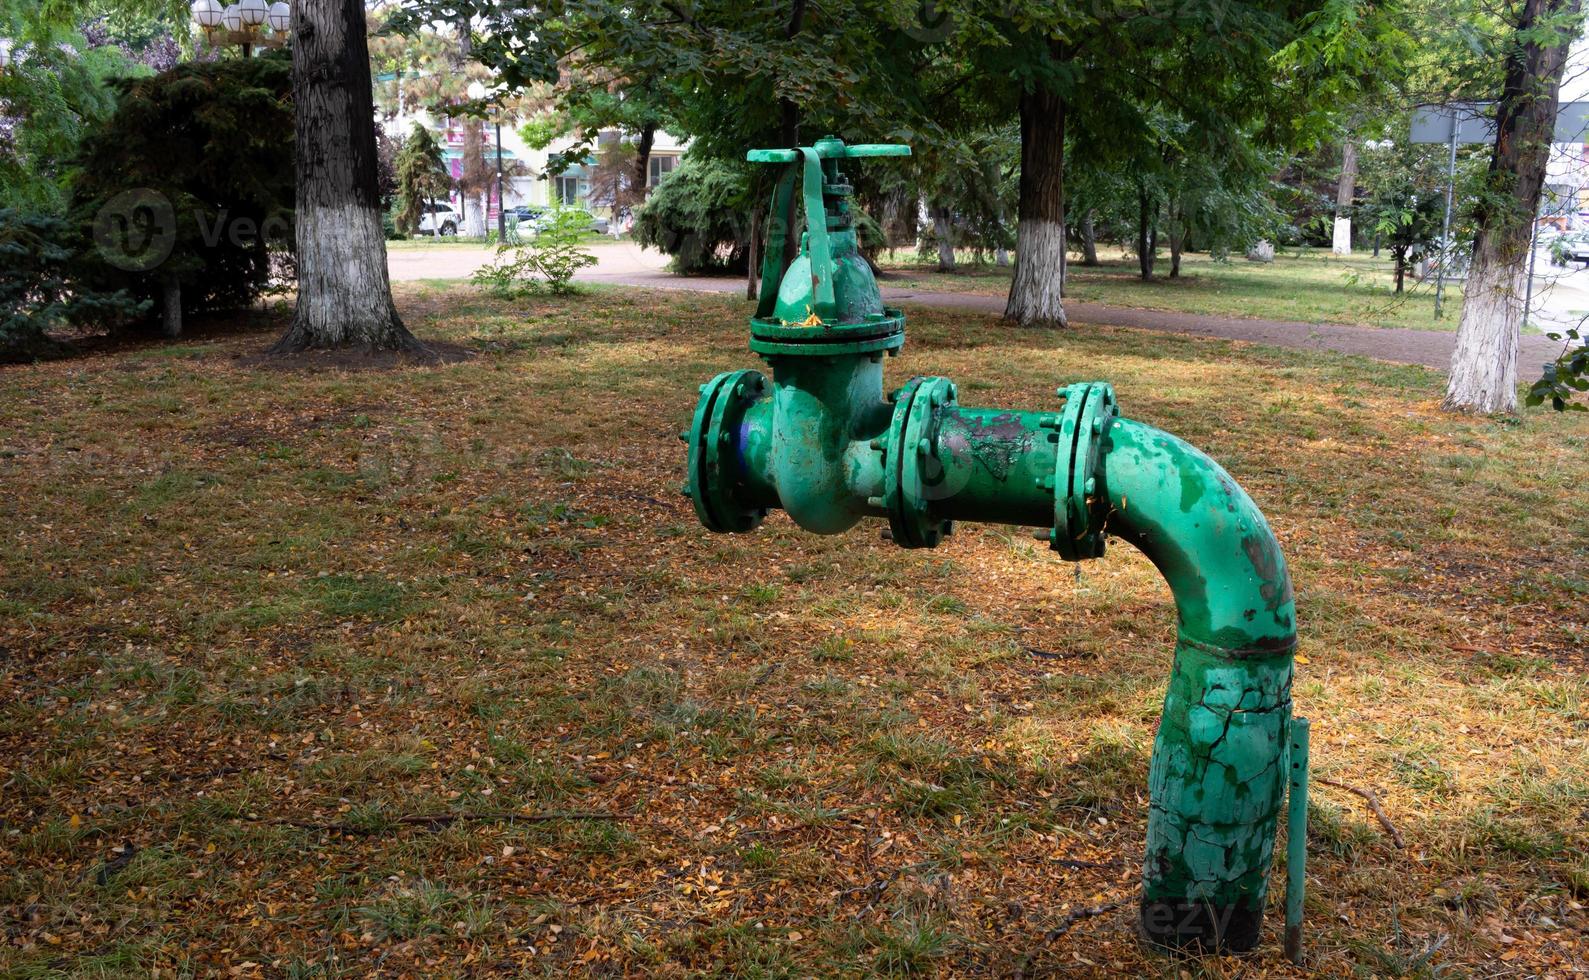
x,y
432,672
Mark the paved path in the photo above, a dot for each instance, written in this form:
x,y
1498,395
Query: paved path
x,y
626,264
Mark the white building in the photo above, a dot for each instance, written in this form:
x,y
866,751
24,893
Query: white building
x,y
535,185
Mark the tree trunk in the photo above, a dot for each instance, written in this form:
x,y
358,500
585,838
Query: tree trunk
x,y
469,189
943,230
1147,238
472,158
1089,241
1177,240
753,263
171,322
344,297
1399,256
1064,269
1484,365
1345,190
1035,299
1001,257
642,172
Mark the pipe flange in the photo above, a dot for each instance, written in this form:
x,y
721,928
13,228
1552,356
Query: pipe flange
x,y
1078,508
713,463
910,463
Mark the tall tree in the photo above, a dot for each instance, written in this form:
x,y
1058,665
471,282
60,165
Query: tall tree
x,y
1035,289
421,177
1483,374
344,295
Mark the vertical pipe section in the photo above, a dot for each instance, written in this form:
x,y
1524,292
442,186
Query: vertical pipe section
x,y
1297,839
1217,776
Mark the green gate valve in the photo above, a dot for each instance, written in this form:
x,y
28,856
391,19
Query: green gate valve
x,y
821,441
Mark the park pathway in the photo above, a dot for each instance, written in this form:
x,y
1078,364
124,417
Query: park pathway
x,y
626,264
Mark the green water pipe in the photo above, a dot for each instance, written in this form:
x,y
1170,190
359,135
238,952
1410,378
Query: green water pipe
x,y
824,441
1297,840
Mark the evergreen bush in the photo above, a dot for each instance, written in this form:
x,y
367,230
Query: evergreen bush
x,y
190,183
37,291
700,216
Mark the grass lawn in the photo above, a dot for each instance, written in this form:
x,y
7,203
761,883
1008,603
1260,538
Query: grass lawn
x,y
292,658
1309,285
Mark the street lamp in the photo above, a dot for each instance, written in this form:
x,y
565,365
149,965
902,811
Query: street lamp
x,y
478,91
245,23
207,14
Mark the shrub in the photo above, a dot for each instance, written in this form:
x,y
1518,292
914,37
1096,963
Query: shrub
x,y
546,263
190,183
36,292
700,216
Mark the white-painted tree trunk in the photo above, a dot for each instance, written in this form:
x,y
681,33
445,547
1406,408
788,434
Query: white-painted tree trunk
x,y
1037,285
1341,237
344,298
474,216
1035,289
1484,364
943,229
1001,257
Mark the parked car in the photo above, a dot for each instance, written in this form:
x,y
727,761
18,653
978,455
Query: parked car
x,y
540,218
1570,247
524,214
439,219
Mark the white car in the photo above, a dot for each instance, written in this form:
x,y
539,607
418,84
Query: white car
x,y
439,219
1572,248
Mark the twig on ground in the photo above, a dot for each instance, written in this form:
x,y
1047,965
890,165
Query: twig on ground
x,y
1373,804
1078,865
435,820
1065,925
1050,655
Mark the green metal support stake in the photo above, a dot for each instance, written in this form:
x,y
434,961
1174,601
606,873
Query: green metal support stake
x,y
1297,839
821,441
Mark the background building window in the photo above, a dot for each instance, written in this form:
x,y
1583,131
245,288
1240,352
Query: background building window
x,y
660,168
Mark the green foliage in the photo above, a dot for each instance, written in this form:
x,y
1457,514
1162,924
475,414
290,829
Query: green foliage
x,y
210,146
700,216
52,89
546,263
421,177
541,129
1565,381
37,291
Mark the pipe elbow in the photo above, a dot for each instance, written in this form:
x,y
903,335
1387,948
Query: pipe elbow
x,y
1206,537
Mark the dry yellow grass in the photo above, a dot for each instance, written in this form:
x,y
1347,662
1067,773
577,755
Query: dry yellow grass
x,y
253,620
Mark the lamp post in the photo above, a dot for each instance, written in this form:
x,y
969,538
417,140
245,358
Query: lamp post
x,y
248,24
